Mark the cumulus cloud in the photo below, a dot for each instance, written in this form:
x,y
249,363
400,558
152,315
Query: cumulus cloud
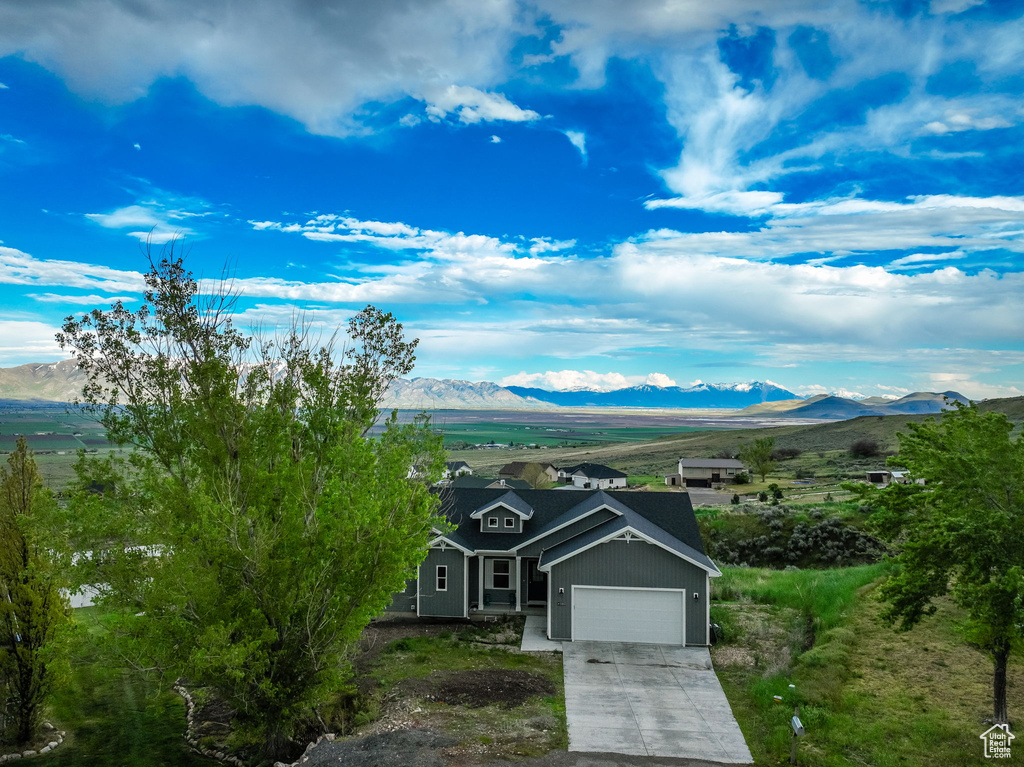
x,y
659,379
495,139
568,380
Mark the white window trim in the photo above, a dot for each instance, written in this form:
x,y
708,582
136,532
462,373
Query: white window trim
x,y
439,576
492,521
490,574
510,522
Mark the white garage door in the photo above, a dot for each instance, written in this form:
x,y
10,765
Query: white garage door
x,y
654,616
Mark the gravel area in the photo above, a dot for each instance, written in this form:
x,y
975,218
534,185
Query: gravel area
x,y
403,748
422,748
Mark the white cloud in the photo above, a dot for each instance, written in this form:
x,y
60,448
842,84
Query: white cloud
x,y
473,106
24,339
659,379
18,268
319,63
91,300
3,87
137,146
158,219
495,139
11,139
733,202
579,140
548,245
568,380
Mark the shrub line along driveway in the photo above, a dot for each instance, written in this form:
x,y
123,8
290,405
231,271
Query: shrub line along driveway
x,y
651,700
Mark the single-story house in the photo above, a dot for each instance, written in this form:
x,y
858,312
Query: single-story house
x,y
705,472
456,469
605,566
515,469
490,482
592,476
885,477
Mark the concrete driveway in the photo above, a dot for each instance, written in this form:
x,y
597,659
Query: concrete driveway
x,y
652,700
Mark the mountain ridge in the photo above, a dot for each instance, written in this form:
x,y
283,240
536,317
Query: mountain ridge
x,y
62,382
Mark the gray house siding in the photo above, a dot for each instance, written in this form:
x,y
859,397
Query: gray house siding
x,y
500,597
638,564
450,603
404,601
501,514
570,531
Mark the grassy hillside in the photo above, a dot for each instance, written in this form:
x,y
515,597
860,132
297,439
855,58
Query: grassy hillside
x,y
867,694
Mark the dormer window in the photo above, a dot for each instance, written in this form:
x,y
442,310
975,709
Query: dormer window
x,y
510,521
492,522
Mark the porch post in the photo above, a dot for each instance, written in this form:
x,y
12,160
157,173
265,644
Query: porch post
x,y
480,560
519,583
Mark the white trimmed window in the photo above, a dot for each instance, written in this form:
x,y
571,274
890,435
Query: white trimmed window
x,y
442,578
510,521
492,521
499,573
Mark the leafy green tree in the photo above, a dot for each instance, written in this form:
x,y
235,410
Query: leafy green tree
x,y
534,474
758,456
32,608
963,534
256,528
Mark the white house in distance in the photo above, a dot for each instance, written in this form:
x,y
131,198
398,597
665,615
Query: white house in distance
x,y
592,476
457,469
705,472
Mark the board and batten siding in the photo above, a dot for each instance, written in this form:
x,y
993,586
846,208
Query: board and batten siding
x,y
637,564
569,531
443,604
404,601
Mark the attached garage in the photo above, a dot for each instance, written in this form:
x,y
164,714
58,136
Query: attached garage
x,y
610,614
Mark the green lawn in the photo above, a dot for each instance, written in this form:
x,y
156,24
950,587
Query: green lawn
x,y
114,717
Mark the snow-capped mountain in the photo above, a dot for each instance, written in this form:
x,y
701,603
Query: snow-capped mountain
x,y
723,395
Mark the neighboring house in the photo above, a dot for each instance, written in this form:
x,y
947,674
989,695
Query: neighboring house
x,y
885,477
489,482
592,476
705,472
606,566
514,470
456,469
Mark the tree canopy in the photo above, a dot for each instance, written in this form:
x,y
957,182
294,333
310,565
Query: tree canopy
x,y
32,608
257,526
963,533
758,456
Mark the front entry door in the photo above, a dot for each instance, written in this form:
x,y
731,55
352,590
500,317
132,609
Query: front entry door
x,y
536,583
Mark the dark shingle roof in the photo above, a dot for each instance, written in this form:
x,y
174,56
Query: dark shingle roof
x,y
671,512
628,520
595,471
481,482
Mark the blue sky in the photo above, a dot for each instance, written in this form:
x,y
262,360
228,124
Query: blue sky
x,y
595,193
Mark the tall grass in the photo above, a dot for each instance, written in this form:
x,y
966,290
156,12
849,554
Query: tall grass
x,y
824,597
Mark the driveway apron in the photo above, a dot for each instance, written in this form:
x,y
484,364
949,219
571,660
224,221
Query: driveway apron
x,y
652,700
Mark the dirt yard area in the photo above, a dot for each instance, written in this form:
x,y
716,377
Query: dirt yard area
x,y
451,693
